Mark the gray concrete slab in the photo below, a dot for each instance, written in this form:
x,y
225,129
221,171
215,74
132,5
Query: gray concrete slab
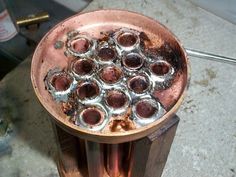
x,y
205,143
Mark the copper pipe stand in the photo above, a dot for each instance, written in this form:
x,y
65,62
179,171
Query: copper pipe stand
x,y
148,155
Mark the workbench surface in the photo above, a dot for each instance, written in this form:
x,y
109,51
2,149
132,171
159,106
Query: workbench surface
x,y
205,143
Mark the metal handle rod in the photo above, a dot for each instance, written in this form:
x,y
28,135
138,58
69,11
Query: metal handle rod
x,y
209,56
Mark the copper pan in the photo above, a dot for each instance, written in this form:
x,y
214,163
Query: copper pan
x,y
47,57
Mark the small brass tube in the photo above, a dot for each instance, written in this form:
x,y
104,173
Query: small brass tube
x,y
33,19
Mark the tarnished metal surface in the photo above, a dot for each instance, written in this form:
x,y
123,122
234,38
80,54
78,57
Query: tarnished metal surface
x,y
123,78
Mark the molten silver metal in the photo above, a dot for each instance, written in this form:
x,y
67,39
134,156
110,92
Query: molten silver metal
x,y
83,68
117,100
106,53
80,45
146,110
93,117
126,40
161,72
64,80
89,91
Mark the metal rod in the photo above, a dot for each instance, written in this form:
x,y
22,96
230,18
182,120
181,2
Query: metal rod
x,y
209,56
33,19
95,159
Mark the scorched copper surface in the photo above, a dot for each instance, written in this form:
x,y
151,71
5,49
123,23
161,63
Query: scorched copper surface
x,y
110,76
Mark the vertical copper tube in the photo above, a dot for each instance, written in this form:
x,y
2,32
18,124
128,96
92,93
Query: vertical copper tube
x,y
118,159
82,159
114,160
128,150
95,159
67,147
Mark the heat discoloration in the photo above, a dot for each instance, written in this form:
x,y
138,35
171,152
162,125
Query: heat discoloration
x,y
120,58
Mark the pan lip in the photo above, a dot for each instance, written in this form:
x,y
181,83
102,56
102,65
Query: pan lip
x,y
118,136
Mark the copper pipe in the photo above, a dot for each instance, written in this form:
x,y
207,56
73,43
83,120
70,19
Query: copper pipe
x,y
128,161
95,160
119,159
114,160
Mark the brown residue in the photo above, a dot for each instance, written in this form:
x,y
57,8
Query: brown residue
x,y
106,54
189,105
121,123
69,108
145,42
212,89
210,75
166,52
203,82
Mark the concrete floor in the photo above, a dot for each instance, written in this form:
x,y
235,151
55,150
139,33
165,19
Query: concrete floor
x,y
205,143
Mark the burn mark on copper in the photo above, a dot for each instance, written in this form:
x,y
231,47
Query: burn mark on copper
x,y
87,90
83,66
119,53
138,84
127,39
167,53
61,82
72,34
116,99
145,109
110,74
69,108
145,41
106,35
133,61
143,36
121,125
106,54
